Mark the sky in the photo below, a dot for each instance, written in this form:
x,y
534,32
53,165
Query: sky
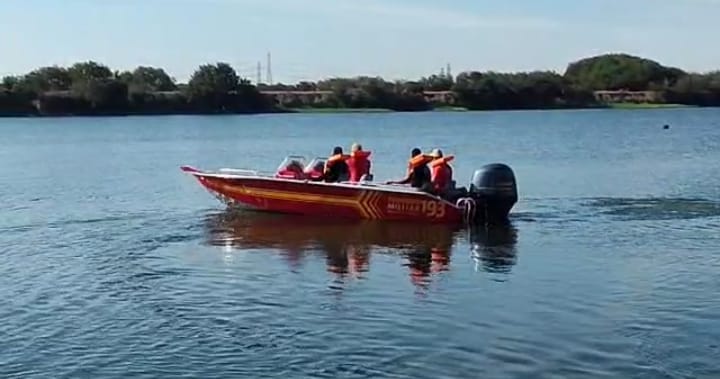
x,y
315,39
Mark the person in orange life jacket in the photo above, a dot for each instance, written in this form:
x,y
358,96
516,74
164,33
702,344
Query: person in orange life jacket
x,y
418,173
358,163
336,168
441,173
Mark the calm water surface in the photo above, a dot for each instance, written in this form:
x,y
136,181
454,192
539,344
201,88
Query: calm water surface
x,y
114,264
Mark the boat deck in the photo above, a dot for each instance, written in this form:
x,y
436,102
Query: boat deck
x,y
229,173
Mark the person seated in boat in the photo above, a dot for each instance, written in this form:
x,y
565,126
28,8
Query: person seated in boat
x,y
441,173
336,167
418,173
358,163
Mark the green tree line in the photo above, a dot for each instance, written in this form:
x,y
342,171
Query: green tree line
x,y
91,88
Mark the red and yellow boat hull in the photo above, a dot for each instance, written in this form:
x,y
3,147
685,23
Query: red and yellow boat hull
x,y
335,200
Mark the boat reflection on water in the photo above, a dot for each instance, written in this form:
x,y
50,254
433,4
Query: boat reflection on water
x,y
348,245
493,248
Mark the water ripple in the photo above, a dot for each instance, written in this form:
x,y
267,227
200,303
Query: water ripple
x,y
657,208
131,270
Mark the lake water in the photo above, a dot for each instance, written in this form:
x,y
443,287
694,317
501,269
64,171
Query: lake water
x,y
115,264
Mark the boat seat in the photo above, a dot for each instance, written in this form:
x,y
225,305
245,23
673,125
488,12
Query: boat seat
x,y
454,194
366,178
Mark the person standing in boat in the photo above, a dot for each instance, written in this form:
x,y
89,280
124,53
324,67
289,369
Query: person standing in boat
x,y
441,173
358,163
418,173
336,167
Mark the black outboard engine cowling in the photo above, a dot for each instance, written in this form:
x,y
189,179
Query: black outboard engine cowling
x,y
494,189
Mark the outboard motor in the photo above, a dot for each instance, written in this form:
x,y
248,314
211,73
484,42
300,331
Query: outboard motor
x,y
494,190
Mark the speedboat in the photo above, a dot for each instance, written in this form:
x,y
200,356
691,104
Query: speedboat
x,y
294,189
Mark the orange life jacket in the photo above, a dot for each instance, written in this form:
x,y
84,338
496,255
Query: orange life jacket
x,y
418,160
441,174
359,165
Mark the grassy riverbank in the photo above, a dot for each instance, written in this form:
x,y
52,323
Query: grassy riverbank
x,y
339,110
619,106
645,106
368,110
648,106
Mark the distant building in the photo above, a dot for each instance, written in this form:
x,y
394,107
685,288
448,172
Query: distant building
x,y
312,97
298,97
625,96
442,97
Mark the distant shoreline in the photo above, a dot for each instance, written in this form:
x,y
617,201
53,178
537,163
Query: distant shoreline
x,y
649,106
638,106
618,106
614,81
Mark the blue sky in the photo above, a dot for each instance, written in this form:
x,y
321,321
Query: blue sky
x,y
312,39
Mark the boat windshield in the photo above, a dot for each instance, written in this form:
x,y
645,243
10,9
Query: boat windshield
x,y
317,165
292,162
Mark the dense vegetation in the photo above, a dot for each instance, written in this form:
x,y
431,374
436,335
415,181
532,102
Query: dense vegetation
x,y
618,72
90,88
